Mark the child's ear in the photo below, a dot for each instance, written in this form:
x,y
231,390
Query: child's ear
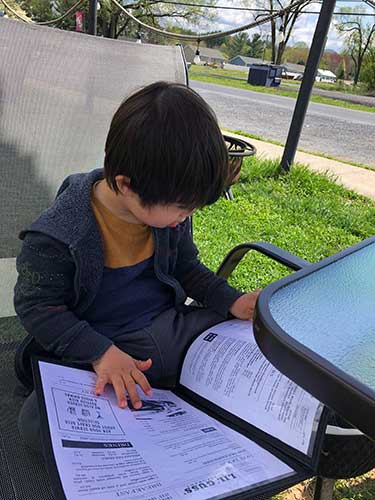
x,y
123,184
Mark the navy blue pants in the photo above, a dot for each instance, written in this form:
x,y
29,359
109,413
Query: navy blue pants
x,y
165,342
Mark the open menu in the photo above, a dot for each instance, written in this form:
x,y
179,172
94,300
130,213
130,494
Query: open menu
x,y
234,427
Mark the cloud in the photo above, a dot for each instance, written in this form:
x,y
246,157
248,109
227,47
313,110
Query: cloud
x,y
303,30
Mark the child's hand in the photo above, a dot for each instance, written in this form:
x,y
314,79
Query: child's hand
x,y
123,372
243,307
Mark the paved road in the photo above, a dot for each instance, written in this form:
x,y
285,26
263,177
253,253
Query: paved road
x,y
343,133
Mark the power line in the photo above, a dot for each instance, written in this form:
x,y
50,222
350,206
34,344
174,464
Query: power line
x,y
227,7
211,36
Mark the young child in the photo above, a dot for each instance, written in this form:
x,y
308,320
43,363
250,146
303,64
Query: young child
x,y
104,272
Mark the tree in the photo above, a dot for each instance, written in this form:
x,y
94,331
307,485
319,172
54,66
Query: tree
x,y
256,46
16,7
282,29
340,73
358,35
297,54
45,10
241,44
367,75
236,45
112,22
216,42
151,37
330,60
300,45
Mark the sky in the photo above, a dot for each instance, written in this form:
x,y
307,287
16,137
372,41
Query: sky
x,y
303,30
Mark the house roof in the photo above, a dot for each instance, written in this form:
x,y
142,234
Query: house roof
x,y
247,60
326,72
294,68
207,52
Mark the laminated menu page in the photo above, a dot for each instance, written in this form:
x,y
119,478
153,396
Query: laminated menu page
x,y
233,428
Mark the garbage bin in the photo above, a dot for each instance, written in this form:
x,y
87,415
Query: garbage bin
x,y
268,75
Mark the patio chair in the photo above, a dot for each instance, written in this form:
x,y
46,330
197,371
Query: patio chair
x,y
58,91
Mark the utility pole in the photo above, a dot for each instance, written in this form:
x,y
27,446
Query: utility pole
x,y
93,16
311,68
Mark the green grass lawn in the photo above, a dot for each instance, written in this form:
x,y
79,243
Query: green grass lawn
x,y
303,212
196,70
225,77
339,86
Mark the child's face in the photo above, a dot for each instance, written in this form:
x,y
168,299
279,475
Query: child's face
x,y
159,215
162,215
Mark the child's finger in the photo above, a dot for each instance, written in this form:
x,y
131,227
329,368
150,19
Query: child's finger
x,y
119,387
101,382
142,381
143,365
133,393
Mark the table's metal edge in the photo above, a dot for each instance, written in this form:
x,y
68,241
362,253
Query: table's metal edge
x,y
290,357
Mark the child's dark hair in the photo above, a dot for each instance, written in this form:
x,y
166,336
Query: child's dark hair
x,y
166,139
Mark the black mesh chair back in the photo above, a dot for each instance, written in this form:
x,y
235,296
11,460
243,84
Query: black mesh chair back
x,y
58,91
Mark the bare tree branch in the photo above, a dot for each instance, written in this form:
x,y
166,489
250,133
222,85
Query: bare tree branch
x,y
358,37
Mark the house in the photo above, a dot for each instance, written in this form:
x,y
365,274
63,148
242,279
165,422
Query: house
x,y
293,71
207,56
325,75
296,71
245,61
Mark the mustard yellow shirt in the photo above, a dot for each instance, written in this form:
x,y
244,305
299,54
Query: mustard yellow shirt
x,y
124,243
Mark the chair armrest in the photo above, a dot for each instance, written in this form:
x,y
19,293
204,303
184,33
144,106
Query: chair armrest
x,y
237,253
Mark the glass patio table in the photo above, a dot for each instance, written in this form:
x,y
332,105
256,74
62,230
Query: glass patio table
x,y
317,327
